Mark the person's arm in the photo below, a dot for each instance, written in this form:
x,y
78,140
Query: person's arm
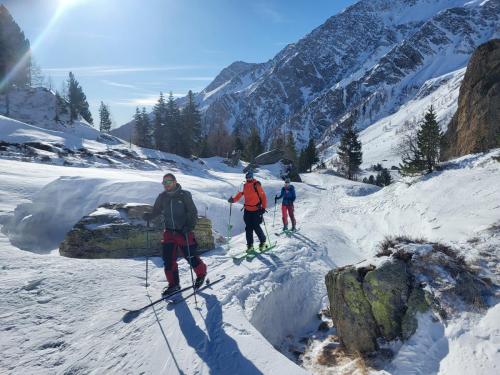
x,y
191,211
281,194
157,207
293,196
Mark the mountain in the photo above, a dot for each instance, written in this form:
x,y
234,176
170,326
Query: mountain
x,y
362,63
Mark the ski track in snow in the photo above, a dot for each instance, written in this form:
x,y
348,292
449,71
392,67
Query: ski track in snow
x,y
62,315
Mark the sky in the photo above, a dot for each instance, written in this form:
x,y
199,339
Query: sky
x,y
124,52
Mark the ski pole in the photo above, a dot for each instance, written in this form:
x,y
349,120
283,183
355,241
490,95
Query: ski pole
x,y
267,234
274,215
191,267
229,227
147,254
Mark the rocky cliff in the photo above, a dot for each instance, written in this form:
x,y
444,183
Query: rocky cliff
x,y
475,127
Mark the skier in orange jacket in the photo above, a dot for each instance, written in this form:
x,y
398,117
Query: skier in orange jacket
x,y
254,208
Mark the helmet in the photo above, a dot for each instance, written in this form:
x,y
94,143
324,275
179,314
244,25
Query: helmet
x,y
287,180
249,175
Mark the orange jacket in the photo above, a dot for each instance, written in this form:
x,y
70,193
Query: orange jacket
x,y
252,196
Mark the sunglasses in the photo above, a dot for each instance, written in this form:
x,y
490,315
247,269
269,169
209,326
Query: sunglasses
x,y
168,182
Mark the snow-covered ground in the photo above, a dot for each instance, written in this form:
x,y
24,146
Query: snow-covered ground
x,y
61,315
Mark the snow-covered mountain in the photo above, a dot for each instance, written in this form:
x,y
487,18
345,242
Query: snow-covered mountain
x,y
363,63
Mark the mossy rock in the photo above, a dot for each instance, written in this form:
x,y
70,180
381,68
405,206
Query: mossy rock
x,y
417,303
118,231
386,289
350,310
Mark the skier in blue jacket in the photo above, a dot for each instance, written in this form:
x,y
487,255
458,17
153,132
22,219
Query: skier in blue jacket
x,y
288,195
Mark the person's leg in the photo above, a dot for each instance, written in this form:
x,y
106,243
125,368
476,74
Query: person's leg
x,y
195,261
247,218
256,220
292,216
169,255
284,216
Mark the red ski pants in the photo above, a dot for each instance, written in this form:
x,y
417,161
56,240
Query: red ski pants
x,y
285,211
174,245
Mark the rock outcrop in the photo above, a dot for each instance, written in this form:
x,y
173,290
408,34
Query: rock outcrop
x,y
368,302
475,127
118,231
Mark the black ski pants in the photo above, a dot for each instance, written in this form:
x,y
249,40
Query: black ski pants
x,y
252,224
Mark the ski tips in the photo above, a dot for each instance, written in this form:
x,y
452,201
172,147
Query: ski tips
x,y
130,315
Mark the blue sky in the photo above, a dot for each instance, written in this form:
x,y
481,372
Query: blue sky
x,y
124,52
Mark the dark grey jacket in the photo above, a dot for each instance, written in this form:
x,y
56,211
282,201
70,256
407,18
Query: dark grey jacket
x,y
178,209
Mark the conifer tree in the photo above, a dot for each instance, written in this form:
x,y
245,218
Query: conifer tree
x,y
191,127
14,52
423,153
142,133
160,113
290,148
349,151
77,100
146,123
172,130
253,146
104,119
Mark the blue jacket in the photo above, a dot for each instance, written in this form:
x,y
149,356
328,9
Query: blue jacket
x,y
288,195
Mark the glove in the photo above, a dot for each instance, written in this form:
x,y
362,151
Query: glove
x,y
185,230
262,211
147,216
275,199
231,200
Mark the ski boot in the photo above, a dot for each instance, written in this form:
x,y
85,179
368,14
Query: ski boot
x,y
199,281
249,248
285,228
293,228
170,290
262,246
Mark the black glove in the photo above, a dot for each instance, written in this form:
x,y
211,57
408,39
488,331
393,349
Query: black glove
x,y
231,200
147,216
275,199
262,211
185,230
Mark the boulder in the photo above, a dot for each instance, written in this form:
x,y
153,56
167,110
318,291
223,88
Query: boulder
x,y
269,157
369,302
350,310
475,127
116,230
386,288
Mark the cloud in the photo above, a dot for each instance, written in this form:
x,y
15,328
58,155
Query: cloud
x,y
116,84
143,101
90,71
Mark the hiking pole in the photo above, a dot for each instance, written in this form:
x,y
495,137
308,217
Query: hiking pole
x,y
191,268
274,215
148,247
267,234
229,227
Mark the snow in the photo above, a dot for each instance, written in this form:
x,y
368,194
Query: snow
x,y
62,315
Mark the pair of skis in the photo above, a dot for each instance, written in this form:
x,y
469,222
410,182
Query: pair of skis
x,y
249,254
286,232
171,298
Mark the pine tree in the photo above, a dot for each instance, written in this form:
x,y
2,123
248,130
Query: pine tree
x,y
191,127
423,151
253,146
77,100
349,151
238,144
148,141
104,119
14,52
385,177
60,107
290,148
160,113
172,130
311,154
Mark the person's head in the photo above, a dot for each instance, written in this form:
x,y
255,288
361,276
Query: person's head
x,y
169,182
287,182
249,175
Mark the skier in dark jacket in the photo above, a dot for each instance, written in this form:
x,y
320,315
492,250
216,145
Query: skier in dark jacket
x,y
179,217
255,207
288,195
